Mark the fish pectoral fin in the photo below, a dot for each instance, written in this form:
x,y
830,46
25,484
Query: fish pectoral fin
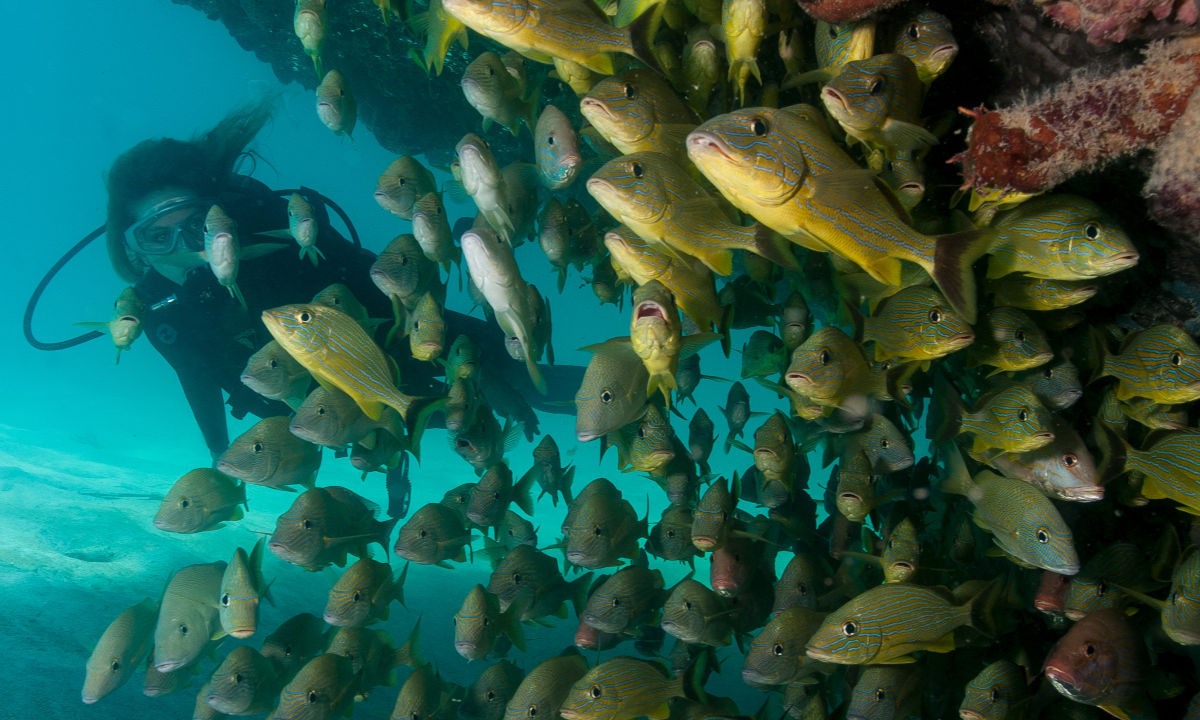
x,y
903,660
250,252
839,188
371,408
944,644
906,137
283,234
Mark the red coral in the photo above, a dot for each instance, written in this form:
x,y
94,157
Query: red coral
x,y
1081,124
836,11
1107,21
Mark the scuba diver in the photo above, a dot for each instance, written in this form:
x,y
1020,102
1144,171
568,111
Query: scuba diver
x,y
159,193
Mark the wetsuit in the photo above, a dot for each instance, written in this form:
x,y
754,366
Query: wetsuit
x,y
207,336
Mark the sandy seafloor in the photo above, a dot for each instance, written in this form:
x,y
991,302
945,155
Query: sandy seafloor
x,y
90,81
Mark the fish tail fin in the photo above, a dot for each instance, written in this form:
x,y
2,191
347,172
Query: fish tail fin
x,y
1117,452
385,528
661,381
957,479
1100,350
398,586
691,681
774,247
578,592
856,319
568,476
954,256
410,652
535,374
562,278
641,40
724,323
420,409
236,293
945,412
522,495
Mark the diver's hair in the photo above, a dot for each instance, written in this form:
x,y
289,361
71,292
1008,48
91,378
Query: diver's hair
x,y
203,165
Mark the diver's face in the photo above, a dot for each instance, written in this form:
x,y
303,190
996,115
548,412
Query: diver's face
x,y
169,232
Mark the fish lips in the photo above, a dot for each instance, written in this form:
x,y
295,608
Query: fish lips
x,y
1064,682
467,649
821,655
166,666
649,309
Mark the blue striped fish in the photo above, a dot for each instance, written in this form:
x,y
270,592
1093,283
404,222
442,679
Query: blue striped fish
x,y
245,683
916,324
422,696
1160,363
835,45
480,625
187,616
528,581
777,655
653,443
998,692
1102,579
1181,612
829,367
886,624
1011,419
363,594
433,535
798,584
657,199
1170,468
638,111
877,102
601,527
1029,293
1057,386
542,691
542,30
622,688
713,516
887,692
695,614
120,650
338,352
927,39
494,492
624,599
1009,340
782,167
1023,522
487,698
1060,237
269,454
200,500
242,589
613,391
689,281
901,553
405,179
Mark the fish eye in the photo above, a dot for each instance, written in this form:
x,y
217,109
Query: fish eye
x,y
876,87
802,588
490,696
1048,373
1101,589
1089,650
629,91
422,533
116,666
995,695
487,621
496,496
616,602
532,711
880,694
258,447
606,397
935,316
596,691
238,678
183,629
824,357
357,596
404,260
671,534
184,503
1019,336
1043,537
1092,231
312,697
883,443
550,140
1176,359
758,126
687,604
320,409
777,649
274,363
849,629
307,524
637,169
833,32
225,600
1069,460
490,70
516,578
598,531
912,31
304,316
1022,415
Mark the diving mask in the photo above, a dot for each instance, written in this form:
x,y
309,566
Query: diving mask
x,y
174,224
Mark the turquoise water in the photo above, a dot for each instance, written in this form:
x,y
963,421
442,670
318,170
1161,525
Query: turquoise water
x,y
92,79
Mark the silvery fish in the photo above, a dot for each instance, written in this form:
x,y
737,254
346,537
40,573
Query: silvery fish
x,y
187,616
336,105
275,375
556,149
431,229
495,88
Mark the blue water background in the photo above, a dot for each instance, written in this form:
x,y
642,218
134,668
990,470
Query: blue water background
x,y
87,81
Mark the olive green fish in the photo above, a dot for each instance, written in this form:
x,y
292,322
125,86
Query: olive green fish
x,y
122,647
998,692
622,688
877,101
542,691
323,525
125,327
322,690
363,594
441,30
528,582
696,615
402,183
487,698
433,535
331,418
743,23
336,105
269,454
201,499
1009,340
426,329
638,111
548,471
1058,237
601,527
242,589
275,375
187,616
492,86
245,683
624,600
613,391
671,538
1160,363
481,627
431,229
296,641
308,22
